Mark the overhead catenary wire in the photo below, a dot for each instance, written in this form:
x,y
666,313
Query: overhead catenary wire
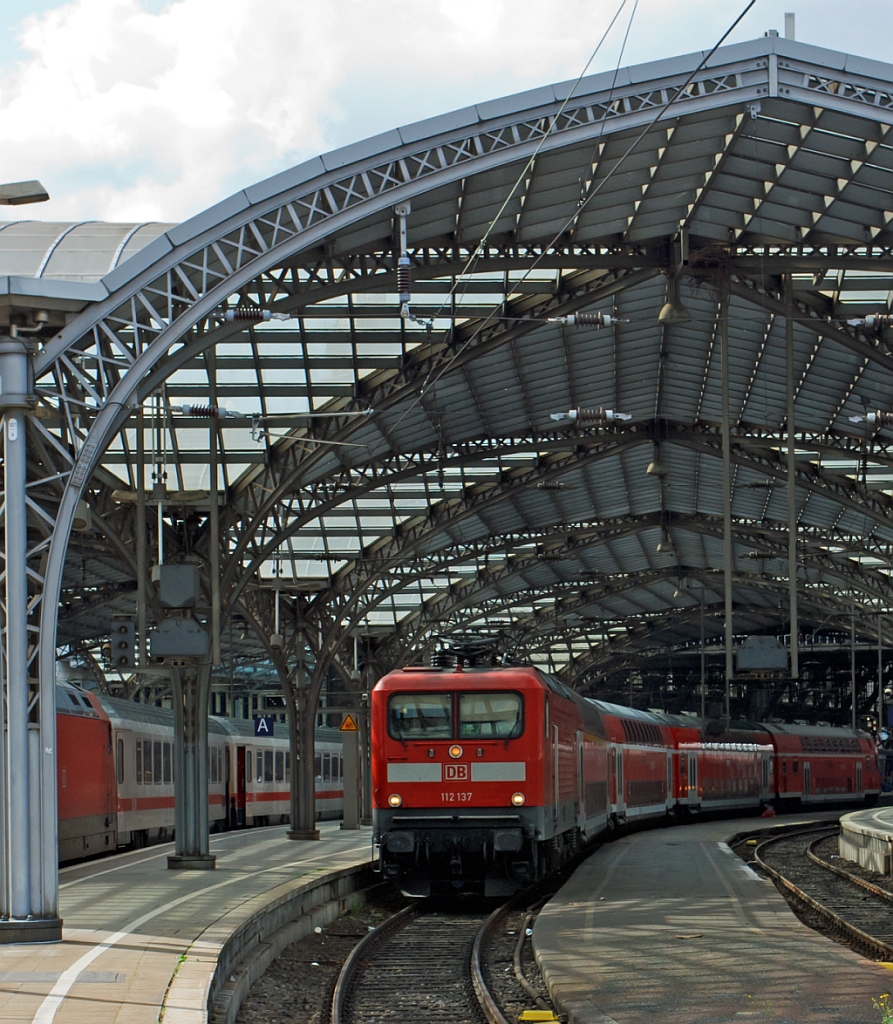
x,y
475,256
434,376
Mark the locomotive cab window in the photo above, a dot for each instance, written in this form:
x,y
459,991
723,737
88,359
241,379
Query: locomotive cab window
x,y
425,716
490,716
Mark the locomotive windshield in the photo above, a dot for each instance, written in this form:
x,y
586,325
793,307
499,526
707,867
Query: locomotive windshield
x,y
484,715
426,716
436,716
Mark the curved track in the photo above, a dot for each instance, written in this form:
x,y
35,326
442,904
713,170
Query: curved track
x,y
421,964
848,906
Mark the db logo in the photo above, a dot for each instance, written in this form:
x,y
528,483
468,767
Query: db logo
x,y
455,772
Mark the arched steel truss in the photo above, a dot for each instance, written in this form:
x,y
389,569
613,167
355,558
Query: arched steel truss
x,y
326,231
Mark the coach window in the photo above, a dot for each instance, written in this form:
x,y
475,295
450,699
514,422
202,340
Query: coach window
x,y
490,715
139,762
156,762
249,761
326,768
119,746
212,765
287,768
317,767
268,766
424,716
280,766
166,764
260,767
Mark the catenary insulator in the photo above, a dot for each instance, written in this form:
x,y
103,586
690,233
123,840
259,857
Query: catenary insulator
x,y
880,418
205,411
592,320
874,322
550,485
587,320
248,315
591,416
404,279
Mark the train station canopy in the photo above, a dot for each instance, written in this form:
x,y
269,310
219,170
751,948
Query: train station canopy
x,y
392,470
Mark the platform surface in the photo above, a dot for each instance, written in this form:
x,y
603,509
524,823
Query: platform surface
x,y
129,920
669,925
877,820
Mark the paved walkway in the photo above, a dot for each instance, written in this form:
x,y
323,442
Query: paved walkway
x,y
129,921
670,926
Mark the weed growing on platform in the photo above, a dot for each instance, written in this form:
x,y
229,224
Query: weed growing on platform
x,y
884,1008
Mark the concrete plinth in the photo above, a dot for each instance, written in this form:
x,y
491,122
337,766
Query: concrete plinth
x,y
310,833
201,862
43,929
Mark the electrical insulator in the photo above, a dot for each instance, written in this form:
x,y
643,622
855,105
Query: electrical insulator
x,y
880,419
590,416
254,315
550,485
247,315
875,322
206,411
404,280
587,320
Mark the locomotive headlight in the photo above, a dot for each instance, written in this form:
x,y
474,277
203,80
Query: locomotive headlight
x,y
456,751
518,799
394,800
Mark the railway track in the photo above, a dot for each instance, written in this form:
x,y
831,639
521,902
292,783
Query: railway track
x,y
843,903
426,965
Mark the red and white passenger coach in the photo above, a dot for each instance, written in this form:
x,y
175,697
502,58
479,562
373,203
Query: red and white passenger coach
x,y
484,779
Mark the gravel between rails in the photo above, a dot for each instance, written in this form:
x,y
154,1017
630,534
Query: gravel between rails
x,y
420,973
498,970
297,986
856,906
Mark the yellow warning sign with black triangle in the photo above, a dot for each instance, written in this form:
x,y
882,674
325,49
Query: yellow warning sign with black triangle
x,y
348,725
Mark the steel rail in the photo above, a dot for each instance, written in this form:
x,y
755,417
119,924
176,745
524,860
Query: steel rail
x,y
835,920
485,997
863,883
349,968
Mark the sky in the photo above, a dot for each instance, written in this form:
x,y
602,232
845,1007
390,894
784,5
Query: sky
x,y
131,110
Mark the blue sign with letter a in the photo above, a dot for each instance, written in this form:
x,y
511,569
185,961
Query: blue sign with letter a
x,y
264,726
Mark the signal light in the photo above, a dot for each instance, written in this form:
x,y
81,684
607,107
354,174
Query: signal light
x,y
394,800
123,644
456,751
518,799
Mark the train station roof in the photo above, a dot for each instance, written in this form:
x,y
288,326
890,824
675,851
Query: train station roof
x,y
395,475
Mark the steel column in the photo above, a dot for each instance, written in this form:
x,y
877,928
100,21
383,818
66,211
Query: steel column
x,y
726,495
791,476
853,663
30,857
214,541
140,541
703,664
191,687
303,822
880,674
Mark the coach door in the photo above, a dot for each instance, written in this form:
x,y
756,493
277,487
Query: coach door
x,y
555,786
618,776
807,780
693,779
240,786
858,776
581,791
765,793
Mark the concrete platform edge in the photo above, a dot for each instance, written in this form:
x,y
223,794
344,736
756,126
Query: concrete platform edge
x,y
577,1011
217,971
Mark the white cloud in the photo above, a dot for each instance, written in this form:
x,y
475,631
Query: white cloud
x,y
126,114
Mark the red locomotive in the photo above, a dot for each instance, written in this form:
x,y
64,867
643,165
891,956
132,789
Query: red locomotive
x,y
485,779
